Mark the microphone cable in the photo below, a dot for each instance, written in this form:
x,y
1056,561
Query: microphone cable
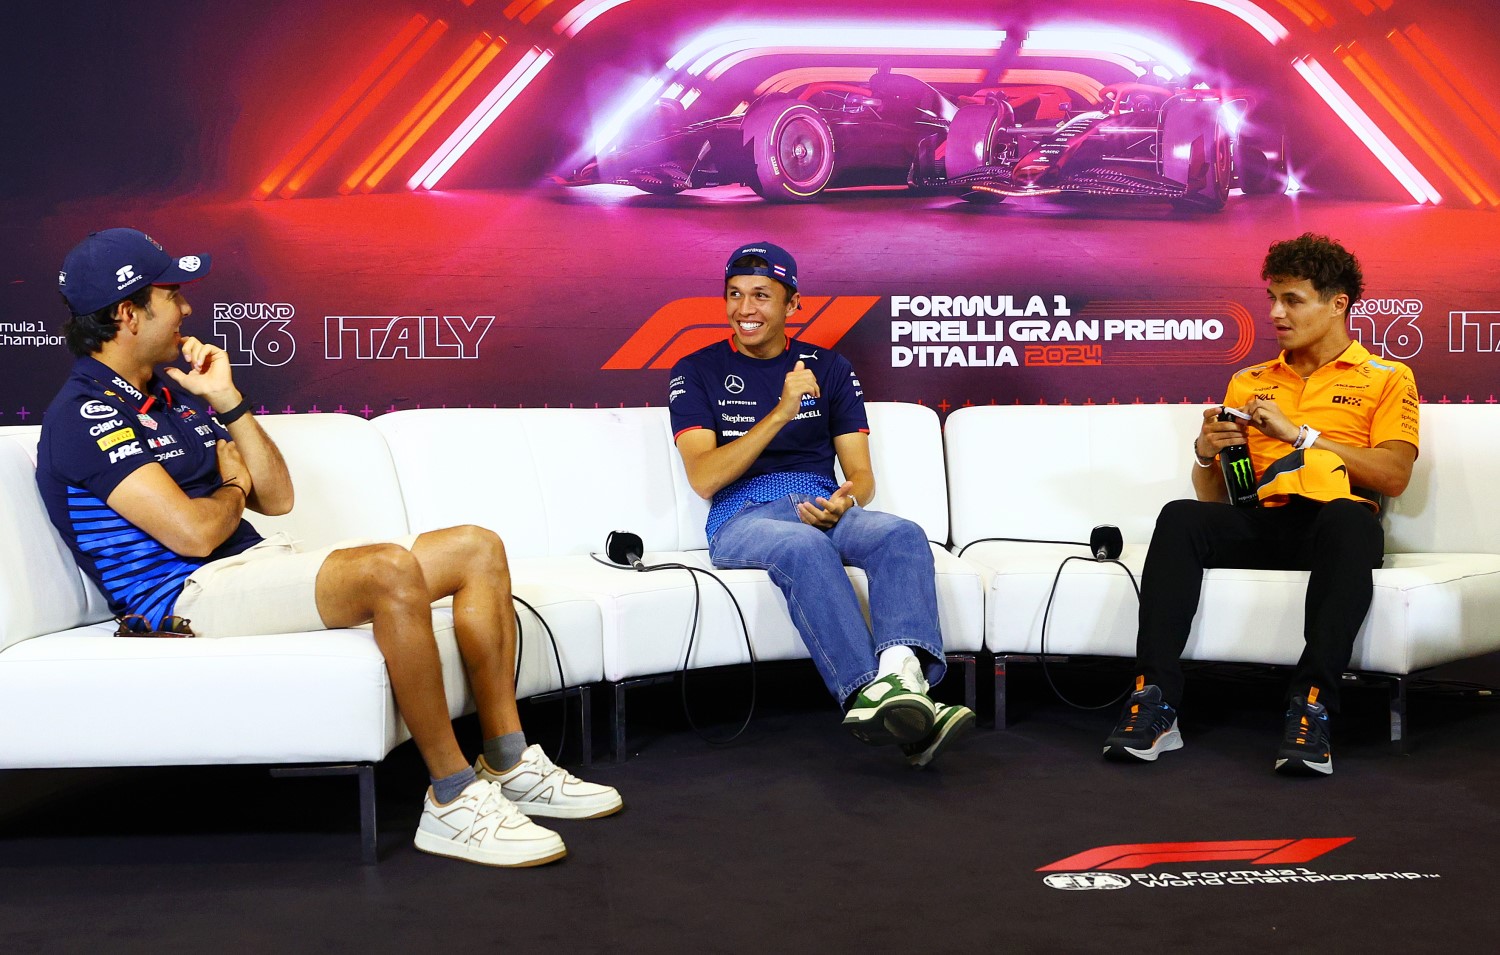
x,y
1051,595
692,636
561,678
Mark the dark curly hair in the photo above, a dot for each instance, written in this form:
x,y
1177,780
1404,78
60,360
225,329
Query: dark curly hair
x,y
1330,267
87,334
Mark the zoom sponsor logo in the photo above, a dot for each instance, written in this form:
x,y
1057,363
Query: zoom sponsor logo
x,y
255,333
388,337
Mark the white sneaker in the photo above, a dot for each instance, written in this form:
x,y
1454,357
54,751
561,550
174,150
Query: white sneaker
x,y
539,787
482,826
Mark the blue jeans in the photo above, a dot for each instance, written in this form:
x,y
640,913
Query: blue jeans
x,y
808,565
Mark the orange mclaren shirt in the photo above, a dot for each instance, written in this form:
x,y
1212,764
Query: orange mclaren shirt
x,y
1356,399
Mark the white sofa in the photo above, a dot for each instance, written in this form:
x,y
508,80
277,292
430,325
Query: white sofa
x,y
1054,473
553,483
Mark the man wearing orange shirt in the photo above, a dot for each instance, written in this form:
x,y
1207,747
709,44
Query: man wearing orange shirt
x,y
1332,431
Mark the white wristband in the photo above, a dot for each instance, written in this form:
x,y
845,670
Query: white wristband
x,y
1198,458
1306,435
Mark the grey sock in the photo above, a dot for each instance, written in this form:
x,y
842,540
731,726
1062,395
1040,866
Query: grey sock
x,y
503,752
446,790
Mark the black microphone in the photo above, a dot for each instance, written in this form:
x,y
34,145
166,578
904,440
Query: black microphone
x,y
625,548
1106,542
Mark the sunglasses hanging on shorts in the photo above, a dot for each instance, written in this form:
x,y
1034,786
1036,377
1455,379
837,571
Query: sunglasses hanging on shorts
x,y
135,625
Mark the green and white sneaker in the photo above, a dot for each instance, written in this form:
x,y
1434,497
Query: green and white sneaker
x,y
953,723
893,709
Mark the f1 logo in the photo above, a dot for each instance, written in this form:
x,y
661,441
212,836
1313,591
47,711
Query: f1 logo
x,y
1146,854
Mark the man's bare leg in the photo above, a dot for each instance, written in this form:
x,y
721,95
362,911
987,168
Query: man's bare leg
x,y
469,564
384,583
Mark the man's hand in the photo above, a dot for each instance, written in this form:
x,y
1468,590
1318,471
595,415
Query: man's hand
x,y
799,383
208,375
1215,435
826,511
232,469
1270,421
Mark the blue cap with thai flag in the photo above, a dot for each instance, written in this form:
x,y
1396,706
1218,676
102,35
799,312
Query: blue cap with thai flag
x,y
782,267
113,264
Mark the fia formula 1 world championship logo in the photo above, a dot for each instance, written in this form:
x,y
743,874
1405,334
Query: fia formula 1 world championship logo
x,y
1276,861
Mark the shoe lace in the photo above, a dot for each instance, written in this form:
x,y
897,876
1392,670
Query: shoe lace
x,y
495,801
1306,728
1141,714
539,761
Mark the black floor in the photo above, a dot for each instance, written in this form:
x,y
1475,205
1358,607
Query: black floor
x,y
797,838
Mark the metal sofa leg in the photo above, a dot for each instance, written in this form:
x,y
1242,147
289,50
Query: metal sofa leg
x,y
366,773
586,725
617,721
1001,662
1398,713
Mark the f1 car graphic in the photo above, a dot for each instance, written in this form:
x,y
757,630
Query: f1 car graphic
x,y
1189,146
787,148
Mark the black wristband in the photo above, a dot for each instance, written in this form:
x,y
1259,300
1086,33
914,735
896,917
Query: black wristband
x,y
227,418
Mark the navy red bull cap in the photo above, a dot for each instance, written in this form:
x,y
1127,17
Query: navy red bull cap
x,y
114,264
783,268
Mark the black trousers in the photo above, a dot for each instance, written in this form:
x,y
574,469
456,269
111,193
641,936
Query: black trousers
x,y
1340,543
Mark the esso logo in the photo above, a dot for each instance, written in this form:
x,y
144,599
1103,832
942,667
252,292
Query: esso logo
x,y
96,411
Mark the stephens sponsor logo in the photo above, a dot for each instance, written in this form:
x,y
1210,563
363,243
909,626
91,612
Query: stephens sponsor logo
x,y
1387,326
388,337
1276,861
737,418
255,333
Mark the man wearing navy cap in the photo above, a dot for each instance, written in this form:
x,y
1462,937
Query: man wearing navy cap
x,y
147,477
759,419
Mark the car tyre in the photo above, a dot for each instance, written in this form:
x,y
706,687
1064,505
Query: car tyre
x,y
792,148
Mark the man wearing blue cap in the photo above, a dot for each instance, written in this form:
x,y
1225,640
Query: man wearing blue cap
x,y
147,477
759,419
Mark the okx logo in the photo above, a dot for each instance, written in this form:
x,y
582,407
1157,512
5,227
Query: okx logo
x,y
688,324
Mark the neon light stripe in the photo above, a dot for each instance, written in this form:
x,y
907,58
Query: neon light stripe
x,y
1252,15
504,93
1449,82
726,44
537,7
516,6
1302,13
1365,129
1134,45
363,109
340,106
585,13
1368,72
441,107
410,119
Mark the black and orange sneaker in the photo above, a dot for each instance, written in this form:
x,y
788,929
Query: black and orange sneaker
x,y
1147,727
1306,747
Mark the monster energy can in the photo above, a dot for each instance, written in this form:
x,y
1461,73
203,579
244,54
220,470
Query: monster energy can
x,y
1239,474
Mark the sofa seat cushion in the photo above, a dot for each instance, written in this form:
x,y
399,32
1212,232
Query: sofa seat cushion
x,y
1427,609
646,618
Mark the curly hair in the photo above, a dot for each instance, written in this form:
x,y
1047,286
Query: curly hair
x,y
86,334
1330,267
